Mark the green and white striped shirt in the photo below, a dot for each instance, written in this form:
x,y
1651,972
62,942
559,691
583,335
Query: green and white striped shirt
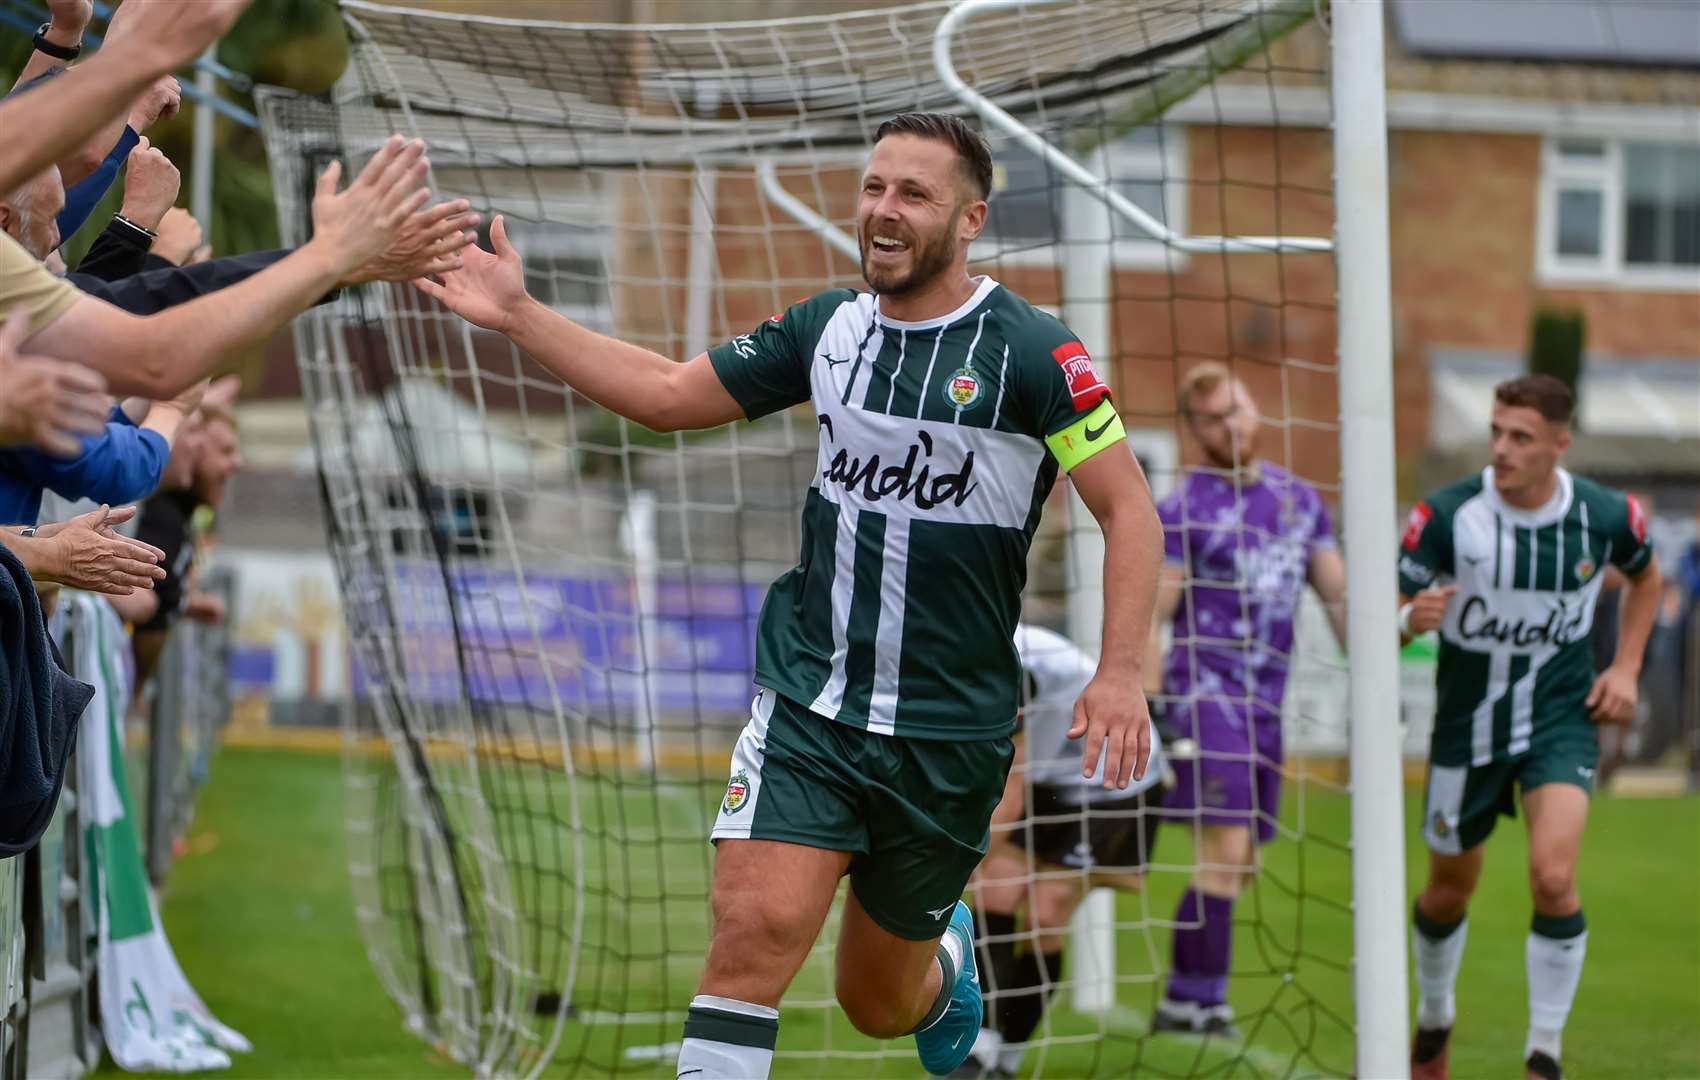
x,y
1515,663
939,441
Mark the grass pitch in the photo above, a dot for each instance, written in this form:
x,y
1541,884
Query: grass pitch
x,y
259,912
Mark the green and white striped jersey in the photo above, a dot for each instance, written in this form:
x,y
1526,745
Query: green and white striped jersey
x,y
939,441
1515,663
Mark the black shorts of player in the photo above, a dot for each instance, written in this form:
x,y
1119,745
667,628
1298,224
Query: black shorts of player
x,y
1112,836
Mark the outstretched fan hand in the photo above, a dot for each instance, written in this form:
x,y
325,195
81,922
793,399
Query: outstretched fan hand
x,y
488,288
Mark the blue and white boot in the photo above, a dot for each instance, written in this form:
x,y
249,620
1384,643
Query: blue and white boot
x,y
945,1043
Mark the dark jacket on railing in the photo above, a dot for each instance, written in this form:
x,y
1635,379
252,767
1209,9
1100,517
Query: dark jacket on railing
x,y
39,707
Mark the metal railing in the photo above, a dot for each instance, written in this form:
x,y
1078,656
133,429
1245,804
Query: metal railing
x,y
47,904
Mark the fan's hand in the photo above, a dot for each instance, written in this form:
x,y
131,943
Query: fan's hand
x,y
430,242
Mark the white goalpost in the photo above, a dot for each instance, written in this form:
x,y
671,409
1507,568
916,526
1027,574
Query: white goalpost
x,y
551,608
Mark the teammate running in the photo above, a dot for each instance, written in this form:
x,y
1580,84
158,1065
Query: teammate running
x,y
880,741
1507,564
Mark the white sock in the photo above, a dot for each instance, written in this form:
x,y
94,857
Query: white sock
x,y
1437,962
727,1039
1555,967
987,1045
1009,1058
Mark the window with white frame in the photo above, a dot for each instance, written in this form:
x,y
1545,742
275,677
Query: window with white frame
x,y
1621,211
1030,203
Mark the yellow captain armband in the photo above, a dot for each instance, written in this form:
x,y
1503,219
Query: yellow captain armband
x,y
1098,429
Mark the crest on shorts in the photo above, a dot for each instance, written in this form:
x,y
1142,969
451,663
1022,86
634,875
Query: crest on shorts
x,y
1439,826
1585,567
963,388
737,792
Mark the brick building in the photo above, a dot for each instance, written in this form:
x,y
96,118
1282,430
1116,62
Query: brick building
x,y
1567,179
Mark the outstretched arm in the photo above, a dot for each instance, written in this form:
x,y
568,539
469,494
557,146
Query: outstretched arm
x,y
1112,709
162,355
489,291
161,35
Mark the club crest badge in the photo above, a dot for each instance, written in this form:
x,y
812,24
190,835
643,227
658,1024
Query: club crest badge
x,y
963,389
1585,568
737,792
1439,825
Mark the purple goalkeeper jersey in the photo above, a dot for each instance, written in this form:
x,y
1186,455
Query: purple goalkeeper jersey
x,y
1245,547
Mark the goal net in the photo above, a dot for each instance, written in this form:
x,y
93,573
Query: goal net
x,y
552,609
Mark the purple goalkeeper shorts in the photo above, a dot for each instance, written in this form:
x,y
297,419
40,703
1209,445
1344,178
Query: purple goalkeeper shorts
x,y
1235,779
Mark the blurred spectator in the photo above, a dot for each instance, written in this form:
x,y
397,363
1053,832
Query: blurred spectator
x,y
174,521
120,465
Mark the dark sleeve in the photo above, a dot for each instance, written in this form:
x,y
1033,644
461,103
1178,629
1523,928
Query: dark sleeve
x,y
767,369
1057,382
163,526
155,290
1425,550
82,197
117,252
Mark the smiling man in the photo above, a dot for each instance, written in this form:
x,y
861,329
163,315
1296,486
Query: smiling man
x,y
880,739
1507,565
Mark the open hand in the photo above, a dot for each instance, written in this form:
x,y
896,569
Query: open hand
x,y
163,35
359,223
1111,712
48,404
489,286
89,554
429,243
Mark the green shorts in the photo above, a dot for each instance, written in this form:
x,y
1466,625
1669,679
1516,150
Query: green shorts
x,y
1463,802
915,813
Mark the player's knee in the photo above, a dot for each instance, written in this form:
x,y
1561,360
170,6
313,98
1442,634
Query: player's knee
x,y
1444,901
875,1012
1552,883
1221,880
744,920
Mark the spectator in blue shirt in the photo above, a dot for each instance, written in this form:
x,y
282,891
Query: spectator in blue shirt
x,y
120,465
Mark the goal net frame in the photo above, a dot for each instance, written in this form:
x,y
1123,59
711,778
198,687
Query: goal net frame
x,y
418,752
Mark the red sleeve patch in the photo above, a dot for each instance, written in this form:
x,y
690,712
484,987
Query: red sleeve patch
x,y
1084,386
1637,520
1414,526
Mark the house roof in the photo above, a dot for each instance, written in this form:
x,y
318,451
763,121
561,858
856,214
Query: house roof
x,y
1623,32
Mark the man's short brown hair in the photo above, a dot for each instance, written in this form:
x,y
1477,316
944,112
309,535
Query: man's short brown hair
x,y
972,151
1200,381
1542,393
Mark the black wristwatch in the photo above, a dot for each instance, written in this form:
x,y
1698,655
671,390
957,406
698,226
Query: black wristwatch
x,y
47,48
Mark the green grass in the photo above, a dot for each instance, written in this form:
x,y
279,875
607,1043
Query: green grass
x,y
260,914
